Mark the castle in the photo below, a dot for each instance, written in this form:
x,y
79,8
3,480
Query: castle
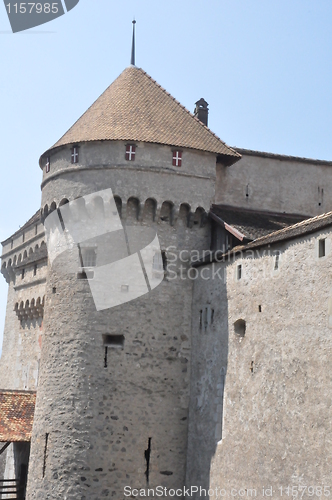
x,y
216,382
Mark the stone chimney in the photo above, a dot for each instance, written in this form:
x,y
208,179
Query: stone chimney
x,y
202,111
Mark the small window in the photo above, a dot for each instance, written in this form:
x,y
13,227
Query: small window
x,y
48,164
239,272
23,274
74,154
89,256
177,158
277,260
35,270
116,341
12,244
130,152
321,248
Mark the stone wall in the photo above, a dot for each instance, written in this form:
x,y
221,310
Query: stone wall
x,y
276,404
275,183
101,425
19,364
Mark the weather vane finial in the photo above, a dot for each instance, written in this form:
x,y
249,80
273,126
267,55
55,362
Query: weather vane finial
x,y
133,45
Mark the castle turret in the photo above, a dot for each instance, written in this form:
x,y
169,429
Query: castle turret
x,y
134,174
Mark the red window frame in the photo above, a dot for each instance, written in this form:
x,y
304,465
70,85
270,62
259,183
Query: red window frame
x,y
48,164
130,152
74,154
177,158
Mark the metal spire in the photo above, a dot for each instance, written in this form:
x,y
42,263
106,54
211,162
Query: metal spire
x,y
133,45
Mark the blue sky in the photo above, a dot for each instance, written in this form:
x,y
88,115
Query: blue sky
x,y
264,66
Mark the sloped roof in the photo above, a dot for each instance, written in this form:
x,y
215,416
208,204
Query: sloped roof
x,y
253,224
297,230
136,108
17,409
300,229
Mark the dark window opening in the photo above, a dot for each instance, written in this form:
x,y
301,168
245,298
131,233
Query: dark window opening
x,y
105,358
85,275
239,272
260,309
35,270
48,164
23,274
277,260
45,454
321,248
240,327
147,456
116,341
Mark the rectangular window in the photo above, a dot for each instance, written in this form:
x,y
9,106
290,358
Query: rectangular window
x,y
89,256
239,272
74,154
35,270
23,274
321,248
130,152
116,341
48,164
177,158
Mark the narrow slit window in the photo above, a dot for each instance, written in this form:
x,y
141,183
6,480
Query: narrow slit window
x,y
48,164
177,158
130,152
321,248
35,270
74,155
277,261
239,272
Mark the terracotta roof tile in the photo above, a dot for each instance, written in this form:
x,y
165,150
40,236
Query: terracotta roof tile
x,y
16,415
136,108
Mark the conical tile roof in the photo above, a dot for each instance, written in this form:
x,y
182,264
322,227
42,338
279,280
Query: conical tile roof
x,y
136,108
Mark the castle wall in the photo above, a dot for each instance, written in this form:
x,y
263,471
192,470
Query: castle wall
x,y
276,184
151,175
102,425
19,364
277,381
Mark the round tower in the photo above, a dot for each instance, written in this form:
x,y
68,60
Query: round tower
x,y
113,392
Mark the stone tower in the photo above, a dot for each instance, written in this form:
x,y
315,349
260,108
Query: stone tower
x,y
113,392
